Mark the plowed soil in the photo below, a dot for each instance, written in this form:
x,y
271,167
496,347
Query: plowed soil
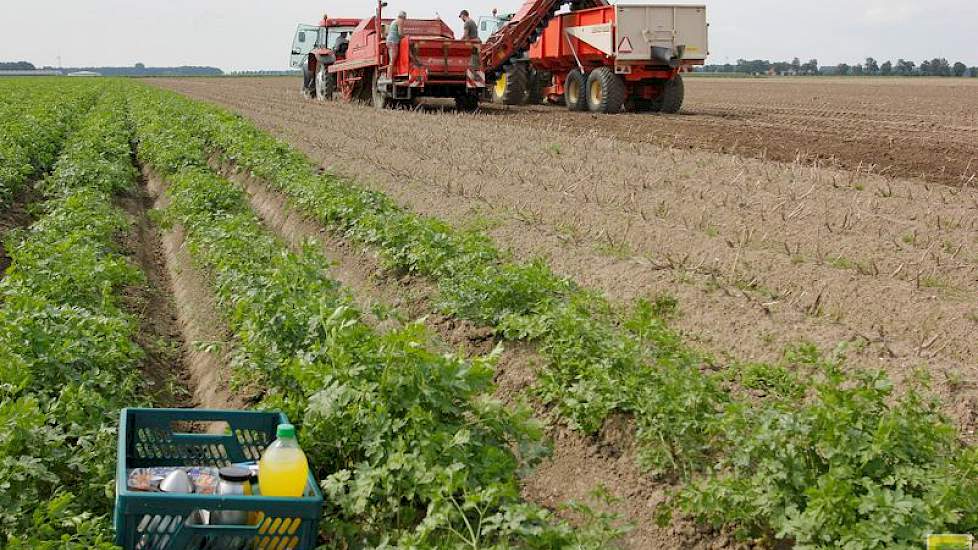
x,y
762,253
925,128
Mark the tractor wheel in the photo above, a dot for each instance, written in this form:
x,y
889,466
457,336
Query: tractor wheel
x,y
574,95
467,103
379,99
538,81
605,91
671,96
308,83
510,87
325,83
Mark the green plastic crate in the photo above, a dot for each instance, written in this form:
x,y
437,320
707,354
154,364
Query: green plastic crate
x,y
158,521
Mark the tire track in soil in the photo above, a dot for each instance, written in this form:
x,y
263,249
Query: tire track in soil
x,y
895,324
579,463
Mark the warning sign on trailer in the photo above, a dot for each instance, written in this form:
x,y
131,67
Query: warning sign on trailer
x,y
625,46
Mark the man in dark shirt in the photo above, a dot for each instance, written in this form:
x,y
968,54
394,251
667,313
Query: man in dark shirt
x,y
470,28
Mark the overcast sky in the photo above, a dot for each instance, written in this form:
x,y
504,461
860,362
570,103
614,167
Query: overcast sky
x,y
253,34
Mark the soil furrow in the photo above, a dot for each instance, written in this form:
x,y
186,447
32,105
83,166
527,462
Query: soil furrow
x,y
164,367
15,215
204,337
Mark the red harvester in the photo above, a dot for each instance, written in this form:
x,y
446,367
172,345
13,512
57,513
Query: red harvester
x,y
597,57
350,56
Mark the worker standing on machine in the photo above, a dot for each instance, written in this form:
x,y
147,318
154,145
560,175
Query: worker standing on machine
x,y
394,34
470,30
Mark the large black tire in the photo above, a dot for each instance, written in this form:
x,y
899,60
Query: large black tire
x,y
538,81
511,86
467,103
325,83
605,91
671,96
575,96
308,82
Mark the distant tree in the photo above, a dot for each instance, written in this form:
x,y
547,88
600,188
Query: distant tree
x,y
842,69
925,68
905,68
939,67
886,69
16,66
754,66
796,65
811,67
974,72
858,70
959,69
872,67
140,66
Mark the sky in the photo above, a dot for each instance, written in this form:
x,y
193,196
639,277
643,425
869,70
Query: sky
x,y
257,34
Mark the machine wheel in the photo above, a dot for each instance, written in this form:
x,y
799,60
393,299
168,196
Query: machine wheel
x,y
574,91
379,99
467,103
605,91
538,81
510,88
308,83
325,83
671,96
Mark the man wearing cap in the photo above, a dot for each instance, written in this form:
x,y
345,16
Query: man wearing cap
x,y
394,34
470,30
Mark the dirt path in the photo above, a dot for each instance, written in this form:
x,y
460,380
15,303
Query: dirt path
x,y
760,254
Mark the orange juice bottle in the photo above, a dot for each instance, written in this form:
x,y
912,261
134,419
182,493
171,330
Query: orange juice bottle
x,y
282,472
283,469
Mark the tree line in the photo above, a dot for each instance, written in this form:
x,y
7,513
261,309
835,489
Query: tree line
x,y
902,67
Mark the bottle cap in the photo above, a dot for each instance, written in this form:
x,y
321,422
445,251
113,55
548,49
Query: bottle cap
x,y
234,474
285,431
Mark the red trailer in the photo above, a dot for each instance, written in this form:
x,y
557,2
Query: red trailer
x,y
604,58
431,63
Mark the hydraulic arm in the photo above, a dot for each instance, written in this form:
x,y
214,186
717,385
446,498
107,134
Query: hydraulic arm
x,y
516,36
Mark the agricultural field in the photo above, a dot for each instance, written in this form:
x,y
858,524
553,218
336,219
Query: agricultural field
x,y
522,328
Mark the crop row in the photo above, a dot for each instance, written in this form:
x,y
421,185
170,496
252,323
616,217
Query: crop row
x,y
67,354
33,126
825,458
410,449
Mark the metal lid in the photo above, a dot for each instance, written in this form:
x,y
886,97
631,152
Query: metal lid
x,y
234,474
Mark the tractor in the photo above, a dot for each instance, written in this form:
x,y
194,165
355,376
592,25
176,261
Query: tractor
x,y
349,57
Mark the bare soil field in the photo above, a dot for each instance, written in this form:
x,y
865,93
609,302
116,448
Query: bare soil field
x,y
925,128
760,254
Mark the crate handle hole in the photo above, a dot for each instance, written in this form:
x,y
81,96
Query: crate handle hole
x,y
198,427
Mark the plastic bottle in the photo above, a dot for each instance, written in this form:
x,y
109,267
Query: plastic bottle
x,y
282,472
283,469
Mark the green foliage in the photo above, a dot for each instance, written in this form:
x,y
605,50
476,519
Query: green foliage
x,y
854,466
33,124
822,458
410,449
66,346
